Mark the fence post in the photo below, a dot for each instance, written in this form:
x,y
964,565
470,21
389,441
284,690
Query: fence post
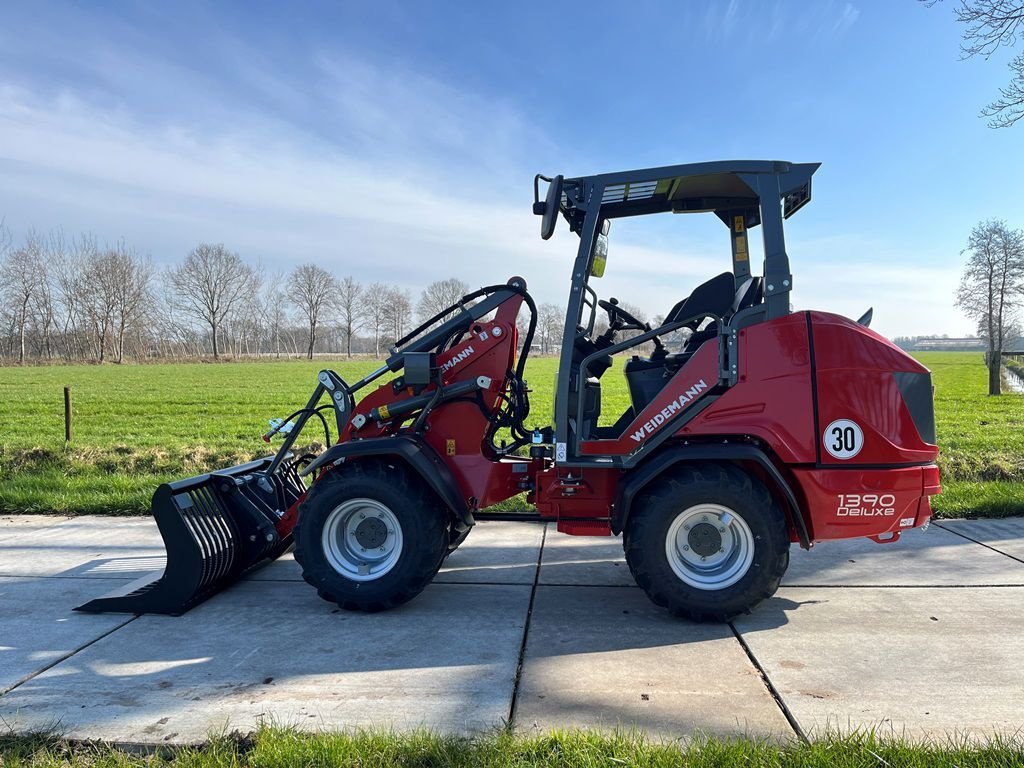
x,y
67,415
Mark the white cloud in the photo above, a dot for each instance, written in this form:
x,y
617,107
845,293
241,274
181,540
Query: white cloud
x,y
423,180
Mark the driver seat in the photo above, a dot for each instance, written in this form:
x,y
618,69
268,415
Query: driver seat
x,y
718,296
747,294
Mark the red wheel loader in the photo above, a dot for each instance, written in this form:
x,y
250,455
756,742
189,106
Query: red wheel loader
x,y
764,427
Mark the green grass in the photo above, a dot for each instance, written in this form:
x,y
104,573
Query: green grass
x,y
282,748
138,426
981,439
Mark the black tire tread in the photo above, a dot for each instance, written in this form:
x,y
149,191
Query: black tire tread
x,y
680,599
434,520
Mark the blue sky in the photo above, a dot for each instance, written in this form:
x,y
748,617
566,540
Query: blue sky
x,y
398,141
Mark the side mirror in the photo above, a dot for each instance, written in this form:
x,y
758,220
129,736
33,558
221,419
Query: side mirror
x,y
548,210
600,260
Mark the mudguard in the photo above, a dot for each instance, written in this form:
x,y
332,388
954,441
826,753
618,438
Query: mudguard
x,y
419,456
641,476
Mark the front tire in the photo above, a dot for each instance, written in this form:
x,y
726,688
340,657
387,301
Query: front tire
x,y
370,536
707,543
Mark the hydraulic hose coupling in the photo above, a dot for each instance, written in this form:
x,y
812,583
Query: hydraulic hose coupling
x,y
278,427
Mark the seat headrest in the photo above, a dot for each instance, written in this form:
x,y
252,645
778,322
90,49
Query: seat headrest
x,y
750,292
715,297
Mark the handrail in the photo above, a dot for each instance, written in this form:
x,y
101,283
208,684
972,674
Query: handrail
x,y
635,341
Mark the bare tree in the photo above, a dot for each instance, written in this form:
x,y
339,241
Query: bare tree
x,y
550,321
440,295
398,315
314,291
6,240
992,287
349,309
988,26
22,275
211,283
375,313
133,276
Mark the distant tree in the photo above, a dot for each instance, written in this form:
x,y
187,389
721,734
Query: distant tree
x,y
210,284
22,277
992,287
350,309
550,322
398,314
440,295
6,240
274,303
988,26
375,313
315,292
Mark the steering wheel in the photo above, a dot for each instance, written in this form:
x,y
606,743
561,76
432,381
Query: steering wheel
x,y
619,319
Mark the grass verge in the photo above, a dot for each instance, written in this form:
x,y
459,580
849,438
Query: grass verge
x,y
139,426
282,748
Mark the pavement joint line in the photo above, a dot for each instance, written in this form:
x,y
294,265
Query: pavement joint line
x,y
445,583
59,576
67,656
480,583
779,701
982,543
590,586
526,633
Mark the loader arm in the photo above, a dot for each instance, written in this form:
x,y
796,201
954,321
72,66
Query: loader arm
x,y
457,383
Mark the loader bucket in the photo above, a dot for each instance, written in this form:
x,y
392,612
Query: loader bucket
x,y
215,527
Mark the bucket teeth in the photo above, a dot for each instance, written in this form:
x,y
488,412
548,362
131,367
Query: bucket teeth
x,y
215,528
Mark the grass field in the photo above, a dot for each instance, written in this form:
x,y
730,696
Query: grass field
x,y
279,748
137,426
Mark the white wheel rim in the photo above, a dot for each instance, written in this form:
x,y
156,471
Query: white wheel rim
x,y
709,546
362,539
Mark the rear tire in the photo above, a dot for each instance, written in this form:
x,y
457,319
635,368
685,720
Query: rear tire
x,y
707,543
370,537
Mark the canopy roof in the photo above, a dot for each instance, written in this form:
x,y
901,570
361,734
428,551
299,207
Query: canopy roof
x,y
717,186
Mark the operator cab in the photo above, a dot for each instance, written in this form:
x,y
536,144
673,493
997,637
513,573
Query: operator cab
x,y
743,195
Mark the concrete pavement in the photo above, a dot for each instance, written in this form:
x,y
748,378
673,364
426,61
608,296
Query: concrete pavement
x,y
523,624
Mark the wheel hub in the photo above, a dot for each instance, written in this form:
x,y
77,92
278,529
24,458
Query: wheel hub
x,y
709,546
362,539
371,533
704,539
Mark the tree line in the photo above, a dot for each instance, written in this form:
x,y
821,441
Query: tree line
x,y
65,299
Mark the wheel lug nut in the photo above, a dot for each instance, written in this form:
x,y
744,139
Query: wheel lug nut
x,y
703,559
686,548
722,549
686,527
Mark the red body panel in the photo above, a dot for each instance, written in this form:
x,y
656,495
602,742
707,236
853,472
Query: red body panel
x,y
855,381
772,400
867,502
